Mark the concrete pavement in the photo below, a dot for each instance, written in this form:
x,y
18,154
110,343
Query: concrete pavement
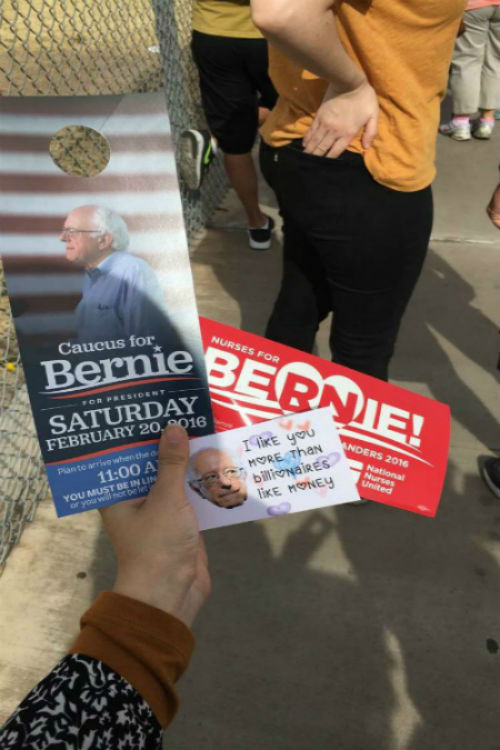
x,y
359,628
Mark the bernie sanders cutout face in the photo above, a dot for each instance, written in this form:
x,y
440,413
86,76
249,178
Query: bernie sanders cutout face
x,y
91,233
216,477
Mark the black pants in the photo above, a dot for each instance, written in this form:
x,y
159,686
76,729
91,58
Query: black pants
x,y
234,82
351,246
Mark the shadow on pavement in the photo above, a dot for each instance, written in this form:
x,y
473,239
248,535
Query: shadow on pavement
x,y
443,304
434,585
289,657
286,657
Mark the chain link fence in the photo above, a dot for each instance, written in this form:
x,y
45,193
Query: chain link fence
x,y
83,47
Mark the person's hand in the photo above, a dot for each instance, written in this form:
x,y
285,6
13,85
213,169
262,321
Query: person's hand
x,y
339,119
160,554
493,207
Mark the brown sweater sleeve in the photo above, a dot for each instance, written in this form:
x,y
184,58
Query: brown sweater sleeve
x,y
146,646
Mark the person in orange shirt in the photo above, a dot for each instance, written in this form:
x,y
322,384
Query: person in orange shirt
x,y
349,151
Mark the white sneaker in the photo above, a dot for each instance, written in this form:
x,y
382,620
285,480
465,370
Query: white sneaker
x,y
483,130
458,133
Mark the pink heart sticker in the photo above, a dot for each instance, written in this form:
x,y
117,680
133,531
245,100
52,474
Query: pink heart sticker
x,y
287,424
322,491
303,480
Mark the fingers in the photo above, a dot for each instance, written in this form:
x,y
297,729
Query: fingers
x,y
332,141
173,453
119,512
370,132
338,147
494,217
493,209
323,148
340,118
313,140
320,141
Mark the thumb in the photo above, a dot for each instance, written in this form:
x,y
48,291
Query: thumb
x,y
370,131
173,453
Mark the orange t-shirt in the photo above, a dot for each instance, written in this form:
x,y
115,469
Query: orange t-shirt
x,y
404,47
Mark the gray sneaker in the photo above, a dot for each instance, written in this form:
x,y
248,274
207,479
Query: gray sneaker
x,y
458,133
196,152
483,130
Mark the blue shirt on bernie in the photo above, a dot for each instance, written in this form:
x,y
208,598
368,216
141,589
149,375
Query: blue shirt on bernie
x,y
120,297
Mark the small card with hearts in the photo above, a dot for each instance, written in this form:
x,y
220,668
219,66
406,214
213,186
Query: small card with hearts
x,y
281,466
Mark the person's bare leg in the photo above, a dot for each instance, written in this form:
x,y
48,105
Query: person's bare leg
x,y
487,114
242,175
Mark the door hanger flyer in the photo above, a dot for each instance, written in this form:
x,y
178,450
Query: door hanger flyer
x,y
98,275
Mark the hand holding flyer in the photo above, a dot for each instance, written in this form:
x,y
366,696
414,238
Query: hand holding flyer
x,y
160,555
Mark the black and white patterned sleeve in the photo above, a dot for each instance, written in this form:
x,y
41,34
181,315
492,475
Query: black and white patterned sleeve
x,y
82,705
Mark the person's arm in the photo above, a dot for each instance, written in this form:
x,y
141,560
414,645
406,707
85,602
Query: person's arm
x,y
82,703
306,33
493,207
116,688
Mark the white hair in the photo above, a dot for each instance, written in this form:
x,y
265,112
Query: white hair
x,y
192,475
109,222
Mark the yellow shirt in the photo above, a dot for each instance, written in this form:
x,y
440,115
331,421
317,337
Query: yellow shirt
x,y
404,47
224,18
